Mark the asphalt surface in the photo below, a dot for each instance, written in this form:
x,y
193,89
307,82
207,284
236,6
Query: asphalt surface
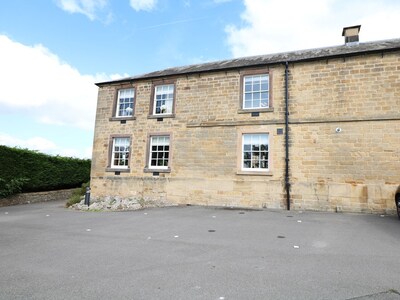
x,y
49,252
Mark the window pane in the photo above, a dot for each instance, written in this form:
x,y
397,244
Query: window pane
x,y
247,139
264,86
255,151
264,96
163,98
248,79
264,139
120,152
264,155
255,93
159,151
247,104
125,102
264,164
248,97
247,164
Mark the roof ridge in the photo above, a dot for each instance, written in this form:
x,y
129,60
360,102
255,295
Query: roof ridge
x,y
265,59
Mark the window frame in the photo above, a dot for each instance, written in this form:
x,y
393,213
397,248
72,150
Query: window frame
x,y
240,151
115,116
110,166
152,114
256,72
148,168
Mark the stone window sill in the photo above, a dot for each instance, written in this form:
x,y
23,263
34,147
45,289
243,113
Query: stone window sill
x,y
151,170
254,173
122,170
161,116
122,118
249,111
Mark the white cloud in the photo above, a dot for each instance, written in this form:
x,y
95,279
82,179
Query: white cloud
x,y
284,25
44,146
37,83
34,143
89,8
146,5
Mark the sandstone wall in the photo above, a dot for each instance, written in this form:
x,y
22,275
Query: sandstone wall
x,y
356,169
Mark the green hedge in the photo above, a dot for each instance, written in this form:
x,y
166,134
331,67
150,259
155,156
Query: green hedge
x,y
30,171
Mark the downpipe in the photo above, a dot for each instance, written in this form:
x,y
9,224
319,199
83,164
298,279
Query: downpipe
x,y
287,179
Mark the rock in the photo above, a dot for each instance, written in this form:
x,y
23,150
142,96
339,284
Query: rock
x,y
118,203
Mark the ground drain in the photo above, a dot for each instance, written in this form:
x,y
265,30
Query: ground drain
x,y
211,230
281,237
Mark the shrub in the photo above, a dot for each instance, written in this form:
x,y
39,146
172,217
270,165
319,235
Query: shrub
x,y
25,170
77,195
12,187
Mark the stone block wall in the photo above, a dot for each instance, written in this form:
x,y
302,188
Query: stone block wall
x,y
356,169
28,198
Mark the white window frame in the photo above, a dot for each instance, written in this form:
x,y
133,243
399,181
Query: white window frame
x,y
130,108
153,138
251,154
160,90
120,142
251,90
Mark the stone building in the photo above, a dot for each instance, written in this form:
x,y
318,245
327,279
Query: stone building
x,y
314,129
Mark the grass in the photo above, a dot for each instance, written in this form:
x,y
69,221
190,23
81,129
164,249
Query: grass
x,y
77,195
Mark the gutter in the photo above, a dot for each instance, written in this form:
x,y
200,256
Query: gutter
x,y
287,179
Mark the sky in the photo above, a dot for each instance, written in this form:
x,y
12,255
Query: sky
x,y
52,52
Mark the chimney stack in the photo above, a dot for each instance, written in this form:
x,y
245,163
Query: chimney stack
x,y
351,35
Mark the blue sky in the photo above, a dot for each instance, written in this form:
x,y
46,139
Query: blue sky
x,y
53,51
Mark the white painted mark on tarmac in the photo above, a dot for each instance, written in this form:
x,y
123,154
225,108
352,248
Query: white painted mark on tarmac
x,y
221,298
214,216
6,213
88,229
296,247
47,215
176,236
298,221
149,238
145,213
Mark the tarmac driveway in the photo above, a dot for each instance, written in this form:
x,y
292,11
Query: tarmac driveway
x,y
49,252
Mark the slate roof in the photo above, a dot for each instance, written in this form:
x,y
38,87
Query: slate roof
x,y
270,59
